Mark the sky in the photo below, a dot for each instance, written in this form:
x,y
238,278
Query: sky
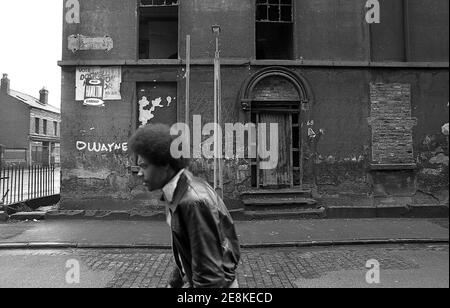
x,y
30,46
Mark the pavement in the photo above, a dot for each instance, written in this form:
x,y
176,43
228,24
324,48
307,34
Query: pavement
x,y
252,234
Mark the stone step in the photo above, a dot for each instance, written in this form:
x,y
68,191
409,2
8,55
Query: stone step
x,y
280,203
285,214
276,193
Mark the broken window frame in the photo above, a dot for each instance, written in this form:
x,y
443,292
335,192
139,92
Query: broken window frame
x,y
157,3
281,5
286,23
143,4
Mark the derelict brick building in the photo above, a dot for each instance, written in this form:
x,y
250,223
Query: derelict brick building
x,y
360,105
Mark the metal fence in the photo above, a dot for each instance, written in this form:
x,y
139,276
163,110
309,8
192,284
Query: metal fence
x,y
19,183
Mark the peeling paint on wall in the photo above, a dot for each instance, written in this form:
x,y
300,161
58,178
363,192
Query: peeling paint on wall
x,y
146,115
81,42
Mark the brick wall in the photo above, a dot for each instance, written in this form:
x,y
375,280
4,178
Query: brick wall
x,y
392,124
277,88
44,115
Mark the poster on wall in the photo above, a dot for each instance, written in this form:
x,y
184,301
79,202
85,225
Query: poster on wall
x,y
95,85
94,92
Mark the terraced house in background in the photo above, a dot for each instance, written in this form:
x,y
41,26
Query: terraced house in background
x,y
29,128
359,104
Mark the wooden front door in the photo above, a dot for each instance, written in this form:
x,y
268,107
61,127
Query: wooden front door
x,y
282,175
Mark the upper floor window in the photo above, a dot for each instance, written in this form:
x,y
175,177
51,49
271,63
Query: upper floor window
x,y
55,128
158,29
44,126
274,29
36,125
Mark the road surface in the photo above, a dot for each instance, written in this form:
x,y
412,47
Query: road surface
x,y
400,266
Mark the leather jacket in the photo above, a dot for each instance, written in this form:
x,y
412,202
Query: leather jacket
x,y
204,240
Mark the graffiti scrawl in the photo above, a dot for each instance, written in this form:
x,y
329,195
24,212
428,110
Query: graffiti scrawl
x,y
99,147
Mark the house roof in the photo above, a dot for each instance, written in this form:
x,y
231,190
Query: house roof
x,y
33,102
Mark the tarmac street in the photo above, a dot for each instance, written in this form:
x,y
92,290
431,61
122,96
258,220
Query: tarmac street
x,y
400,266
354,253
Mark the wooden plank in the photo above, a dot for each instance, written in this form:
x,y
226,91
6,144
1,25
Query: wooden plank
x,y
188,79
283,174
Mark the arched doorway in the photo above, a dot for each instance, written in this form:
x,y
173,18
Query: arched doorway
x,y
278,95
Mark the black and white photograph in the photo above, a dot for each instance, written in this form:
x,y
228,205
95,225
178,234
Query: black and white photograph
x,y
257,146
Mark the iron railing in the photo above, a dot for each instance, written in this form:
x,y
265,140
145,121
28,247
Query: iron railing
x,y
19,183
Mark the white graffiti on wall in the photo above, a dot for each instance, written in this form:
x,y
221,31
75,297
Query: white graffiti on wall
x,y
146,115
99,147
73,13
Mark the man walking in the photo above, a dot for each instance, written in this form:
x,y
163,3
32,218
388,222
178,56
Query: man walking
x,y
204,240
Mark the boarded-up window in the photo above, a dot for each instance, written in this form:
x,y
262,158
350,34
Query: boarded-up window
x,y
392,124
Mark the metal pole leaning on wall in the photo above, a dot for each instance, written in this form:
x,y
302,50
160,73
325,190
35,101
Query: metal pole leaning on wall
x,y
219,118
188,77
218,174
215,117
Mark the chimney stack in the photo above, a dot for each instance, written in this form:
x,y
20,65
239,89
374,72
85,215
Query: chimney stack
x,y
5,87
43,96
